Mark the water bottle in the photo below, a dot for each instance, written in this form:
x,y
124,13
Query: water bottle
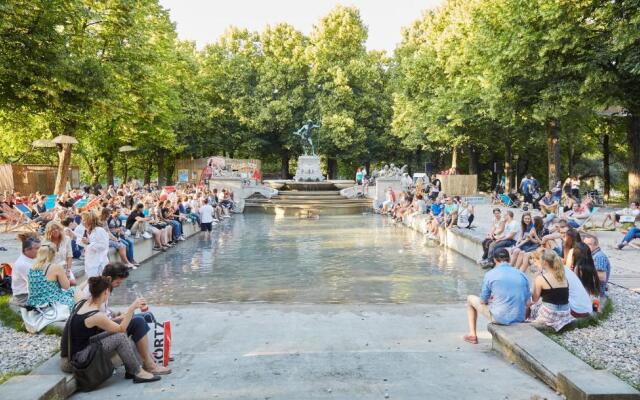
x,y
143,307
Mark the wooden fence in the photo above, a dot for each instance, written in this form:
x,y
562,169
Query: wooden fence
x,y
31,178
459,185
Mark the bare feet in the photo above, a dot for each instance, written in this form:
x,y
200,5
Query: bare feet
x,y
144,374
159,370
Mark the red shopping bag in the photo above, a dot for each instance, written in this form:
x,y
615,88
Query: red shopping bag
x,y
161,342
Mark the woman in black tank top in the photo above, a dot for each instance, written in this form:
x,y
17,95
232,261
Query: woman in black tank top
x,y
90,324
550,302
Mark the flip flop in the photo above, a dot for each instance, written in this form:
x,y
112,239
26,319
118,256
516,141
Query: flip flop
x,y
470,339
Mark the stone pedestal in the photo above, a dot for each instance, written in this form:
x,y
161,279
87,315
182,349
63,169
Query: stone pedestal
x,y
382,184
308,169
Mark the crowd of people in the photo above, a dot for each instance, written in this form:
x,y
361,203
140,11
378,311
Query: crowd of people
x,y
425,197
569,270
86,224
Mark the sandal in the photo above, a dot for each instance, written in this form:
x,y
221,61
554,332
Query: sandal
x,y
470,339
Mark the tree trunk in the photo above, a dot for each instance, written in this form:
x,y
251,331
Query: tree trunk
x,y
633,138
474,160
161,169
553,152
494,171
125,171
606,154
284,165
419,165
147,173
332,167
454,159
507,167
109,162
64,160
367,166
572,156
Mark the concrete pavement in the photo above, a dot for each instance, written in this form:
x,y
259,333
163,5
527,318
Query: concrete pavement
x,y
274,351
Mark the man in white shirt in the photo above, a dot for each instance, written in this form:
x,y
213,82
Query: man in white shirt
x,y
506,239
206,217
19,282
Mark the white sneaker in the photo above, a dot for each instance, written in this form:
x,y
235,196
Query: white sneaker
x,y
138,236
226,216
181,238
214,222
127,233
147,235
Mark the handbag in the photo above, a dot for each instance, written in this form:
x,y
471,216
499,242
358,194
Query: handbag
x,y
37,318
96,369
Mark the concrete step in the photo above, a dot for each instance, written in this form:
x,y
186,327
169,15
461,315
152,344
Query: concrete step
x,y
324,197
316,202
308,193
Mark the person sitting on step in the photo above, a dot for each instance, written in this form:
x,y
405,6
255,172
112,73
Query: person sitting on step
x,y
91,324
550,298
48,281
503,298
138,328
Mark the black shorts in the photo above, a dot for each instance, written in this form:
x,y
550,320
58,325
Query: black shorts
x,y
205,226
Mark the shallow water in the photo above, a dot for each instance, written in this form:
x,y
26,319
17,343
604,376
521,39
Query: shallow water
x,y
343,259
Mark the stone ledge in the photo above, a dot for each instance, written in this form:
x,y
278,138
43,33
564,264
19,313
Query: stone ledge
x,y
34,387
596,385
524,345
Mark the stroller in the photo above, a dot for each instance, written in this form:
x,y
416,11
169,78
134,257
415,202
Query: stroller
x,y
510,200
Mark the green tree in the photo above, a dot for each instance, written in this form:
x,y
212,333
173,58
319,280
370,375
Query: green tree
x,y
345,78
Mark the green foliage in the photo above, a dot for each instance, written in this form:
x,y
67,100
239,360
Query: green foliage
x,y
483,78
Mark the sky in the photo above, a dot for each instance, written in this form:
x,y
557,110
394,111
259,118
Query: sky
x,y
205,20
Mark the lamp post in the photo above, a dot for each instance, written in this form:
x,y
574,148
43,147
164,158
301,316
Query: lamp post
x,y
126,149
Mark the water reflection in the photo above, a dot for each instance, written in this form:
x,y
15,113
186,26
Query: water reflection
x,y
347,259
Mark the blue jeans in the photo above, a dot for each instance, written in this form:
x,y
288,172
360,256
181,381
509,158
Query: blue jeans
x,y
634,233
500,244
176,232
129,245
76,250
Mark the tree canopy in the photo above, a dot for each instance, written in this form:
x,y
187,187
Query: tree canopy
x,y
494,87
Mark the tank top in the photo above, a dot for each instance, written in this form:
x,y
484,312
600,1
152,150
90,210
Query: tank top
x,y
80,334
558,296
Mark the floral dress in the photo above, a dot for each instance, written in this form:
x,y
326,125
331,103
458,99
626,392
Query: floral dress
x,y
43,291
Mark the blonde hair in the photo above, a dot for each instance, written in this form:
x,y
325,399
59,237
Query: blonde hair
x,y
552,259
45,255
89,220
50,227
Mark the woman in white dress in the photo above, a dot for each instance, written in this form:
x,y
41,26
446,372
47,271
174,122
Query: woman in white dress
x,y
96,242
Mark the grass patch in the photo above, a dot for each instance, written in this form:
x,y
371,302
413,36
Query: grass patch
x,y
13,320
8,375
8,317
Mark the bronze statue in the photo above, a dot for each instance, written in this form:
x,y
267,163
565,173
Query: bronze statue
x,y
305,135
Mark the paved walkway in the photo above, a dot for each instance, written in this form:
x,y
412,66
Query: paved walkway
x,y
267,351
625,268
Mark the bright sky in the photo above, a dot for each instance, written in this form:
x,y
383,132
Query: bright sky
x,y
205,20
